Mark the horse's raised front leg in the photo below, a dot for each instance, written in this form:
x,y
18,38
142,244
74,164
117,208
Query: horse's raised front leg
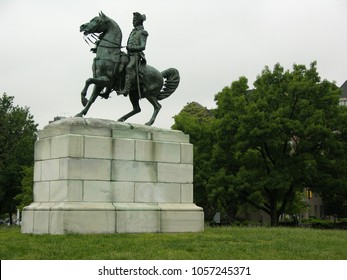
x,y
153,100
84,100
102,81
96,91
99,84
134,98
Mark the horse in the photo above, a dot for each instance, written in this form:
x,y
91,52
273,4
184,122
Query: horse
x,y
109,71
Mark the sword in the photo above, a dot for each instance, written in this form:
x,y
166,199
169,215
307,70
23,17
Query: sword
x,y
137,76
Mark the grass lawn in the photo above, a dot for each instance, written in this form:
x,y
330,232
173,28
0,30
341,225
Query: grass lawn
x,y
224,243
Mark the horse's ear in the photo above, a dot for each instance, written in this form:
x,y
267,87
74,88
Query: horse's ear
x,y
101,14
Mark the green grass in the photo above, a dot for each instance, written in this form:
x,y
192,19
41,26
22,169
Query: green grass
x,y
212,244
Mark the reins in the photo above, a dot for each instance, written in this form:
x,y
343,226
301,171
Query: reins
x,y
98,40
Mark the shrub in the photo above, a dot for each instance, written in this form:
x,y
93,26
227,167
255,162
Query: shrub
x,y
322,224
288,223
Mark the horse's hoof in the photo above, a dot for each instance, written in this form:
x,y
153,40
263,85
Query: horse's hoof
x,y
148,123
120,120
79,115
84,101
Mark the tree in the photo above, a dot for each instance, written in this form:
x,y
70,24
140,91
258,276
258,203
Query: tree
x,y
25,197
333,187
222,185
17,138
276,139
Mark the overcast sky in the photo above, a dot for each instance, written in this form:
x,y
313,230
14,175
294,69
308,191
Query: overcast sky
x,y
44,60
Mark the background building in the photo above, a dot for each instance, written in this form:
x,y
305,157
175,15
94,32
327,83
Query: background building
x,y
343,98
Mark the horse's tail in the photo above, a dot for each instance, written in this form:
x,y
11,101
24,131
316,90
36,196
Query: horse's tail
x,y
172,80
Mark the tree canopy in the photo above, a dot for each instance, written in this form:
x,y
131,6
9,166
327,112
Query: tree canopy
x,y
17,138
270,142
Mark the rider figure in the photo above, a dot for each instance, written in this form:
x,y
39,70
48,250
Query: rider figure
x,y
135,47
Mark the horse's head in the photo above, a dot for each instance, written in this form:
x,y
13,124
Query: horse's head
x,y
98,24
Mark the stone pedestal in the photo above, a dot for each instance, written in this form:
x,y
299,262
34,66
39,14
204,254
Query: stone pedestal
x,y
101,176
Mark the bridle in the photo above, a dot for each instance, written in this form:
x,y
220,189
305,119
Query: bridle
x,y
98,39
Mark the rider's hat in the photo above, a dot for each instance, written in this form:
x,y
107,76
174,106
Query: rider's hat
x,y
139,16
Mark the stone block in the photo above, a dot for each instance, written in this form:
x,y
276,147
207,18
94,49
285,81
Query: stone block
x,y
97,147
130,134
170,136
37,171
123,191
90,130
56,222
79,126
175,173
27,221
186,193
97,191
32,206
41,222
58,191
50,170
157,192
134,171
85,169
66,190
81,217
102,221
67,146
75,190
104,191
157,151
137,217
42,149
41,191
181,218
123,149
187,153
182,221
82,206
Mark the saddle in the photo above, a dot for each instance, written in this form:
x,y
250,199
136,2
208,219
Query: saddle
x,y
120,69
124,60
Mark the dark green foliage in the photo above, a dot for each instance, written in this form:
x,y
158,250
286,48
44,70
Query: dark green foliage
x,y
343,223
282,135
271,142
17,138
25,197
322,224
332,184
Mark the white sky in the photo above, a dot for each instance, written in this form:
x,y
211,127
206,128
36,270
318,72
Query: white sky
x,y
44,60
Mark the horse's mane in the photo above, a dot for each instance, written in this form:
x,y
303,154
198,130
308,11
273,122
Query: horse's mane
x,y
116,25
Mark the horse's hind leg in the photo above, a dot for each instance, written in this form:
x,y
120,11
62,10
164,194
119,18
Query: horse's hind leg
x,y
153,100
134,98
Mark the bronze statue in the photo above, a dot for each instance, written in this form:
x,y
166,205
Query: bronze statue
x,y
111,67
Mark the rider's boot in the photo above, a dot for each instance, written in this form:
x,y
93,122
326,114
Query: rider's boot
x,y
127,85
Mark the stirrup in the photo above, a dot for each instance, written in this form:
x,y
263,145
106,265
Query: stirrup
x,y
123,92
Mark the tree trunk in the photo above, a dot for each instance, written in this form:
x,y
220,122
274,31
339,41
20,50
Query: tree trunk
x,y
11,220
274,216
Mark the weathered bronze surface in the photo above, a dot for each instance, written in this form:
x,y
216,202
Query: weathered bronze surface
x,y
126,73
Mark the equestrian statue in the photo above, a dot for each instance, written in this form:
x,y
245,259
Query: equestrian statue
x,y
126,73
